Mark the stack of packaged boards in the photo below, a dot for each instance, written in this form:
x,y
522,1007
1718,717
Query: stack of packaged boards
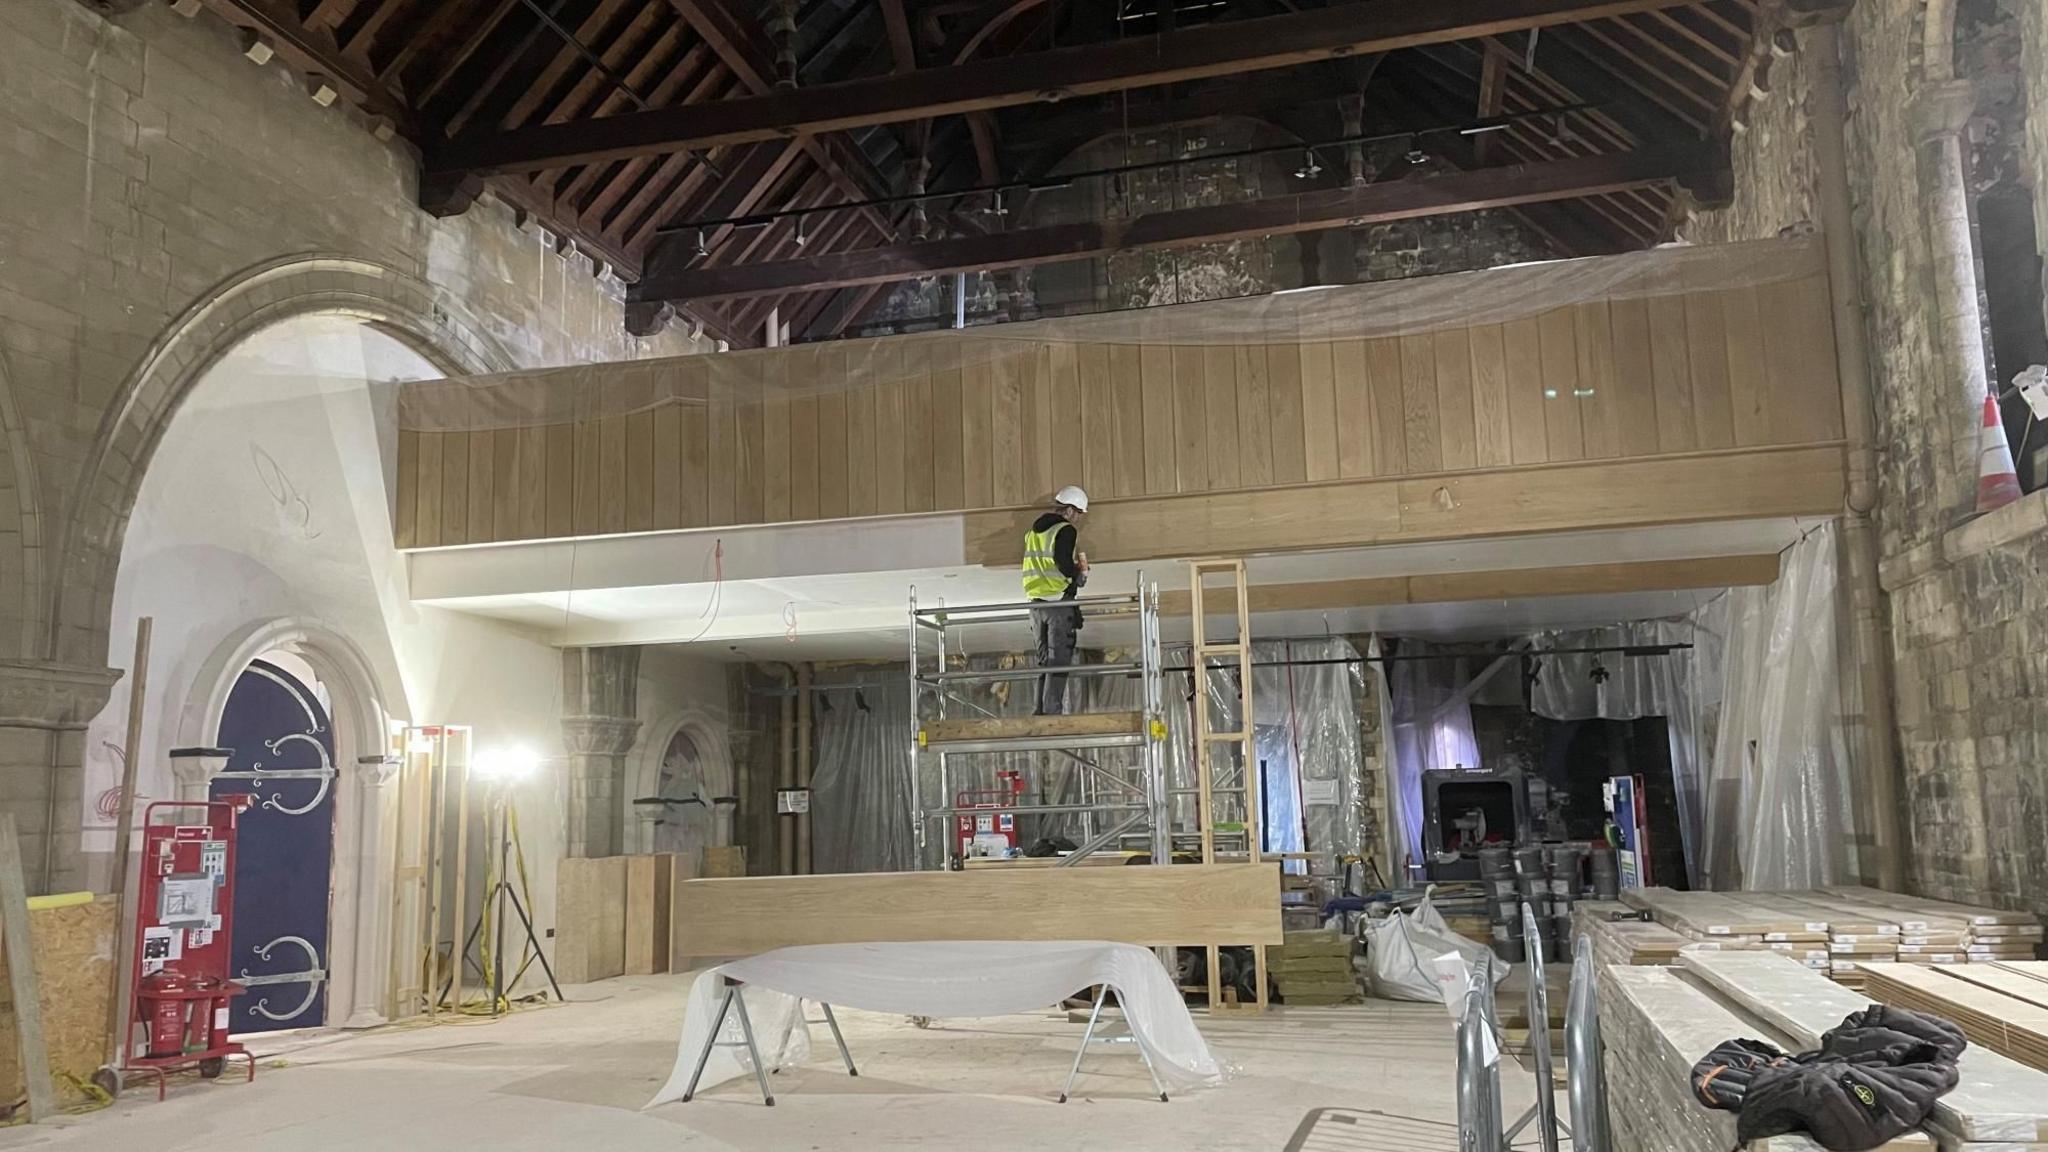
x,y
1941,932
2002,1005
1624,941
1731,921
1314,968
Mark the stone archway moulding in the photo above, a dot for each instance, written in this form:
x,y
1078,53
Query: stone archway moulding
x,y
643,774
409,310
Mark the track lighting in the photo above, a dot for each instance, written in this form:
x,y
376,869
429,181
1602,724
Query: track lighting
x,y
702,250
1310,166
801,239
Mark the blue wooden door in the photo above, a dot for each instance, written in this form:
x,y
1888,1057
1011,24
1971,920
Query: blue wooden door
x,y
284,860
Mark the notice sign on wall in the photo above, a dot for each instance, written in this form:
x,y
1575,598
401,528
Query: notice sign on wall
x,y
790,800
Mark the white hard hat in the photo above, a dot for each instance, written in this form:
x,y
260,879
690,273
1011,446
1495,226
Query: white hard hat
x,y
1072,496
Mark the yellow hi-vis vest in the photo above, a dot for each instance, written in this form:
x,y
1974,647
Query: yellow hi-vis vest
x,y
1042,577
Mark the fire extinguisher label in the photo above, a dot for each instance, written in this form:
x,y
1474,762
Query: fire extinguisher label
x,y
220,1020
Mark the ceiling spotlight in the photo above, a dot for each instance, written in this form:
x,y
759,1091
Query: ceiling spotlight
x,y
1417,155
801,239
702,250
1310,166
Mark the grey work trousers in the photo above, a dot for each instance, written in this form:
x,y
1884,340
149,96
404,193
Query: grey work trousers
x,y
1058,629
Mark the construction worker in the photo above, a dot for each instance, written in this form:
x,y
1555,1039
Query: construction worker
x,y
1055,569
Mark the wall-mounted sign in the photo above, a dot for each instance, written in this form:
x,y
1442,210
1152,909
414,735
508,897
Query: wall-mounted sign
x,y
789,800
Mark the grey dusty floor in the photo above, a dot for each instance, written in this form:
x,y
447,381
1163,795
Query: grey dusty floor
x,y
575,1076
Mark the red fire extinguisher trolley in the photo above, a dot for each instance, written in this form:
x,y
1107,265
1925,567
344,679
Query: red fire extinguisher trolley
x,y
184,931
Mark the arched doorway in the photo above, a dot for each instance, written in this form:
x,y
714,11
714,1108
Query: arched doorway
x,y
277,722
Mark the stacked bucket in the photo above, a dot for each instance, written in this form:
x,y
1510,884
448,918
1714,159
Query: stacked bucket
x,y
1548,879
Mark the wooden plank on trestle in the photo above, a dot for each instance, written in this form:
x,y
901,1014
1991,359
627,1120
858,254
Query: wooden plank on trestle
x,y
22,984
1182,904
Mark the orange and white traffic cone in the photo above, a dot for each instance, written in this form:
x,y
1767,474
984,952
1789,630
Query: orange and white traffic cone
x,y
1998,482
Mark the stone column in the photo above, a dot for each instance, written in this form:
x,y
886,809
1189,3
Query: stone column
x,y
44,708
369,857
1940,113
600,695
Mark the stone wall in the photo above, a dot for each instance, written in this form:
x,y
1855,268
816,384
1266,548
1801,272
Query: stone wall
x,y
1968,599
160,198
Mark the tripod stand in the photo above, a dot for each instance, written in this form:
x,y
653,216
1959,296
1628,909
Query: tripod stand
x,y
501,892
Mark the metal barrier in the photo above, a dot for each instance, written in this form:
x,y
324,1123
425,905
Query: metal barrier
x,y
1479,1050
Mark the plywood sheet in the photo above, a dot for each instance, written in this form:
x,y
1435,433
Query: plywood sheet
x,y
74,952
648,901
590,918
1148,905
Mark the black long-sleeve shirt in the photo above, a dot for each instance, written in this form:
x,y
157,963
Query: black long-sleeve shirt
x,y
1063,550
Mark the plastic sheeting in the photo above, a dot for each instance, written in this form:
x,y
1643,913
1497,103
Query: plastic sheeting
x,y
938,980
860,780
1430,718
1343,312
1777,799
1635,687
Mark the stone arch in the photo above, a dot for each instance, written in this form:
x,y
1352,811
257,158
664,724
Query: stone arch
x,y
21,558
409,310
643,772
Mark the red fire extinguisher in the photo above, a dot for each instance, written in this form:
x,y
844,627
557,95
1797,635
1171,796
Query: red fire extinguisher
x,y
164,999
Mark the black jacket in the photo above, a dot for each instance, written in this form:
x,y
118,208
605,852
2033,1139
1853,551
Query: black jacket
x,y
1875,1077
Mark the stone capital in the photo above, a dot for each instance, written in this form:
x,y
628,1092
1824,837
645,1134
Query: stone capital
x,y
1943,109
599,735
45,694
194,768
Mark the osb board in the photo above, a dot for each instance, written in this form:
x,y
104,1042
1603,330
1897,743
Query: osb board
x,y
1019,727
1148,905
74,949
648,898
590,919
724,860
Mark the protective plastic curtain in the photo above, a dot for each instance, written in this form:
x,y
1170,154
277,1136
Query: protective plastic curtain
x,y
860,778
1778,803
1305,728
1634,687
1430,716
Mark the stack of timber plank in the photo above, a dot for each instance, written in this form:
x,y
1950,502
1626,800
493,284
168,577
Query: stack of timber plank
x,y
1980,934
1654,1027
1726,921
1998,1103
2003,1009
1314,968
1625,941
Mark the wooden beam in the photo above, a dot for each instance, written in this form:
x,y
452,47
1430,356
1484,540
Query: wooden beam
x,y
312,52
1041,77
901,45
1436,195
1149,905
1493,73
1243,95
1742,484
1506,584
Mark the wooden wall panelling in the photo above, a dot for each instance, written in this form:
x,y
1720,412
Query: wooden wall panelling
x,y
1183,904
405,513
1255,414
1748,379
1127,440
917,428
1528,424
666,440
1706,346
455,488
1599,414
693,463
1007,443
1557,332
1351,387
533,482
1040,426
778,492
830,372
1635,379
1096,400
483,488
1155,375
1190,421
1389,437
505,445
1670,372
561,480
640,471
803,451
1284,396
1420,421
1219,382
1457,444
977,440
948,432
1322,451
1493,446
427,495
888,445
611,474
722,464
1799,359
1073,423
750,487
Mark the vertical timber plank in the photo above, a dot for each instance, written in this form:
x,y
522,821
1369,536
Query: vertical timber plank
x,y
1528,414
1706,344
1456,437
1599,418
1419,419
1255,417
1323,428
1384,375
1670,374
1492,422
1558,333
1635,377
1190,417
1219,383
1156,379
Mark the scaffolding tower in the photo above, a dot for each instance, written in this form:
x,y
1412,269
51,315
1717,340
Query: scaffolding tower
x,y
1121,755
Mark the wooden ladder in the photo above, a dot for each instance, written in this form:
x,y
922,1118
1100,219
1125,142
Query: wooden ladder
x,y
1207,739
